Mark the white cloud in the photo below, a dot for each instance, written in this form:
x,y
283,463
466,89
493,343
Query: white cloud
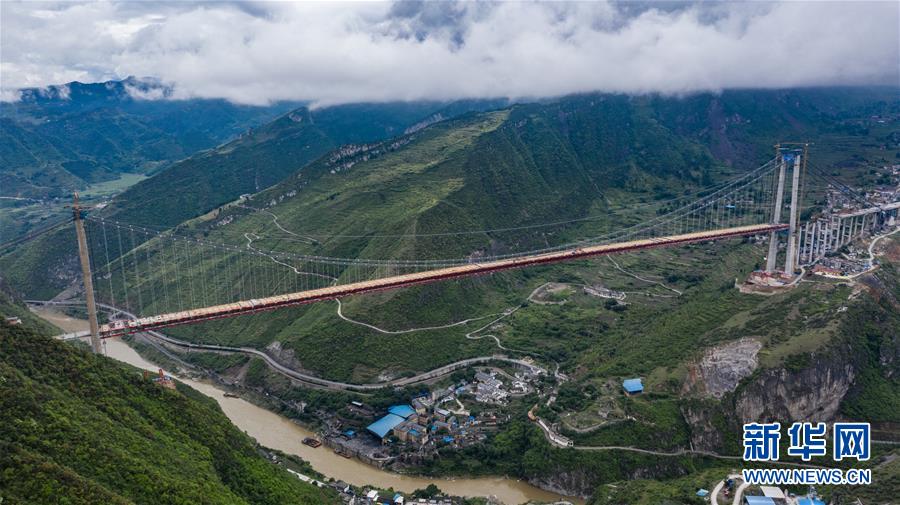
x,y
340,52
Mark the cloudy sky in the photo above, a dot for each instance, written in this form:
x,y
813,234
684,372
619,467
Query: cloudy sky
x,y
344,52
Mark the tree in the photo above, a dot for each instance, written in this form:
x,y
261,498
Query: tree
x,y
429,492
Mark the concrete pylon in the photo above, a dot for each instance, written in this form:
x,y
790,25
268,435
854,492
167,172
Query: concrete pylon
x,y
776,217
790,263
86,276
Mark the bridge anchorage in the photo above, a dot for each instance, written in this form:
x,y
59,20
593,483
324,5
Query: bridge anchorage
x,y
154,279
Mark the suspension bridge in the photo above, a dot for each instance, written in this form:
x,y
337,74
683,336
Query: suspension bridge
x,y
164,278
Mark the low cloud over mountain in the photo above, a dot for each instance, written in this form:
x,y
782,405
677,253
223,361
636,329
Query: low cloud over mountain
x,y
335,52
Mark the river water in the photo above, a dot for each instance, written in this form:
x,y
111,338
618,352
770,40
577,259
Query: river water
x,y
277,432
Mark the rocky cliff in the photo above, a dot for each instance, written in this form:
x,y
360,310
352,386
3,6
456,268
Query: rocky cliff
x,y
812,393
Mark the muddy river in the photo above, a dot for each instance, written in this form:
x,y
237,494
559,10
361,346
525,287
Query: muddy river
x,y
272,430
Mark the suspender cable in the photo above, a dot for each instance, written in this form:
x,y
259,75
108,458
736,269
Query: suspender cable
x,y
137,277
112,294
122,268
164,270
154,301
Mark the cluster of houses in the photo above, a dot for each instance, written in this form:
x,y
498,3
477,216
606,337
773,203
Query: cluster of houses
x,y
439,417
489,389
410,434
421,422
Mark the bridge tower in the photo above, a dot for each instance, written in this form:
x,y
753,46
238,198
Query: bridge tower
x,y
799,160
776,216
83,254
796,159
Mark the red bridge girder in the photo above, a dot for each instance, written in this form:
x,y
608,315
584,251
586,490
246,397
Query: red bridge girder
x,y
119,328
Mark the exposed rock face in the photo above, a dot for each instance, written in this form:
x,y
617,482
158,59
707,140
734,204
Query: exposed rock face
x,y
705,435
722,368
583,481
571,483
813,393
284,356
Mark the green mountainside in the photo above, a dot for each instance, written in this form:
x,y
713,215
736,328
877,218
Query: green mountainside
x,y
265,156
256,160
741,126
83,429
54,143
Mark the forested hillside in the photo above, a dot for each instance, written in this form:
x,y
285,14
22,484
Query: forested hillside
x,y
57,140
78,428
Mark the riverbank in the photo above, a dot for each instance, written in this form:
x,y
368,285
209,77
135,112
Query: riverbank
x,y
277,432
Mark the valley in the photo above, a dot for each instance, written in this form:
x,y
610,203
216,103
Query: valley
x,y
531,362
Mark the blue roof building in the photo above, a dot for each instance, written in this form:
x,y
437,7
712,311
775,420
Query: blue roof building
x,y
383,426
758,500
702,492
810,501
633,386
404,411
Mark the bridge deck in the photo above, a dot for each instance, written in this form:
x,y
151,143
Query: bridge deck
x,y
118,328
871,210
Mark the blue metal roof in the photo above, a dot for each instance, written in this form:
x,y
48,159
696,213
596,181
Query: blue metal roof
x,y
633,385
403,411
387,423
702,492
758,500
810,501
